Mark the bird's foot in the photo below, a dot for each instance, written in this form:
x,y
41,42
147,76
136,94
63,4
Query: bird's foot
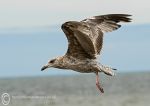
x,y
100,88
98,84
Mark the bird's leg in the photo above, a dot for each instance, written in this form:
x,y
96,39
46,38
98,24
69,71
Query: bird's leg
x,y
98,84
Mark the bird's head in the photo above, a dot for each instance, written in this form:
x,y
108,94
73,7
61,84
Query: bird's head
x,y
51,63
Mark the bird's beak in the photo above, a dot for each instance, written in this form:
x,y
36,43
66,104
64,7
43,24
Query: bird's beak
x,y
44,67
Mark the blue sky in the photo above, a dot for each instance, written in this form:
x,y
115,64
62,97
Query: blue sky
x,y
30,34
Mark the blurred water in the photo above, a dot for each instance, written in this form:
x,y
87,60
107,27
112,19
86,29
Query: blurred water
x,y
130,89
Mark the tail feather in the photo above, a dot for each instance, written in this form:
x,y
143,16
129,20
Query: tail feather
x,y
107,70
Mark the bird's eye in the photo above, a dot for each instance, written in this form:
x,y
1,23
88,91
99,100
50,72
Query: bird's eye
x,y
52,61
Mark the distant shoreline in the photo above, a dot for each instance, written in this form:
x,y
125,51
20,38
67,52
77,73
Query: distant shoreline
x,y
75,74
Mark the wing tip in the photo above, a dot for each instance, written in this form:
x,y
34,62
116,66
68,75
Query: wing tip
x,y
116,17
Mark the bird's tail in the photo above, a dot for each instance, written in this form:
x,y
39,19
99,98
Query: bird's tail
x,y
107,70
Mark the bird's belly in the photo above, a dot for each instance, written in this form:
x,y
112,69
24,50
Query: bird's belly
x,y
84,68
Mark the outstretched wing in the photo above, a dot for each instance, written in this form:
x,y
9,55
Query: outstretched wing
x,y
85,38
108,23
104,23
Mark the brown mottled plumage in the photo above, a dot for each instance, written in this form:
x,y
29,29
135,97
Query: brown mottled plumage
x,y
85,39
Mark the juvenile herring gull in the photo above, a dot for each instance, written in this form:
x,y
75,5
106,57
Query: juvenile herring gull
x,y
85,39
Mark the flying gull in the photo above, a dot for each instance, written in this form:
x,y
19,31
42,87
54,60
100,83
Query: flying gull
x,y
85,39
